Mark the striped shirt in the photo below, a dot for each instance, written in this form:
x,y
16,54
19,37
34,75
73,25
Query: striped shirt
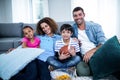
x,y
60,43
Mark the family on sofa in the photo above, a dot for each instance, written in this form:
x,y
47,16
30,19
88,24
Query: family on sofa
x,y
98,55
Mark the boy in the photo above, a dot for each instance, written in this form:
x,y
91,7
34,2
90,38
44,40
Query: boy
x,y
71,57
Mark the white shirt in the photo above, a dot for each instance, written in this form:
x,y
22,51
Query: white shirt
x,y
86,43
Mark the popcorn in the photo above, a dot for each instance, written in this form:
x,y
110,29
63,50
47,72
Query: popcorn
x,y
60,75
63,77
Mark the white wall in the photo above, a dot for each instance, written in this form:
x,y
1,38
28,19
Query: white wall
x,y
21,11
118,19
60,10
5,11
104,12
108,16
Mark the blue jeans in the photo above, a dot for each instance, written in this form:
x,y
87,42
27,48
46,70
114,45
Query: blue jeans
x,y
72,61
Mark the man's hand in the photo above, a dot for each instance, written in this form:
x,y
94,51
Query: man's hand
x,y
90,53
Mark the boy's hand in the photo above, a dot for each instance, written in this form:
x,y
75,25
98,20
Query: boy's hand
x,y
72,51
63,56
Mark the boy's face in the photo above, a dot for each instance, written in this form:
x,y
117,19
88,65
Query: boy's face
x,y
66,34
29,33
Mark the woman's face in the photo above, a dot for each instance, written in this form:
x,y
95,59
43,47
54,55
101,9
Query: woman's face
x,y
46,28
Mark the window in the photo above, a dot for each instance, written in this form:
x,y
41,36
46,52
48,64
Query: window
x,y
29,11
40,9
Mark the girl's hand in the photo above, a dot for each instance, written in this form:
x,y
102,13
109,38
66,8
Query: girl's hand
x,y
63,56
72,51
10,50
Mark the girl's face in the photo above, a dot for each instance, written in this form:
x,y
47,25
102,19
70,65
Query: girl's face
x,y
66,34
29,33
46,29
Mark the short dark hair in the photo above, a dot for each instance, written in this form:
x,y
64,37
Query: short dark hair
x,y
77,9
66,27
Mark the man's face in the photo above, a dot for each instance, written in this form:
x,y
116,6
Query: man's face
x,y
78,17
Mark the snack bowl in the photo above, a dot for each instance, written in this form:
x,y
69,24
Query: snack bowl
x,y
61,74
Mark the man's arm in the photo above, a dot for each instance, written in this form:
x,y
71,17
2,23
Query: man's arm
x,y
90,53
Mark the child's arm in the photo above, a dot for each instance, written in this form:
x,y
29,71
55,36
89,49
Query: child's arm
x,y
63,56
24,45
38,46
72,51
9,50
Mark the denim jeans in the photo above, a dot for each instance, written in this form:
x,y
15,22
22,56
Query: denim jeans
x,y
72,61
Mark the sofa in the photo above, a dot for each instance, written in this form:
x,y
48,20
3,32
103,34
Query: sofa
x,y
11,34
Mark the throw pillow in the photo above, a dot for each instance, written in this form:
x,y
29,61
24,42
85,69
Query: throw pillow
x,y
106,59
11,63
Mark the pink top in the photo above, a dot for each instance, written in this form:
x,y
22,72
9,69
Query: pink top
x,y
35,44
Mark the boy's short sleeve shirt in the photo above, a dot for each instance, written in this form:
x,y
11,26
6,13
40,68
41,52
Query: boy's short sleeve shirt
x,y
60,43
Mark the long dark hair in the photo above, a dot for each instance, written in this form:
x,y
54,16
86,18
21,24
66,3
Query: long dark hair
x,y
53,25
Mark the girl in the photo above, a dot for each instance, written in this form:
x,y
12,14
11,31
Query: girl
x,y
30,40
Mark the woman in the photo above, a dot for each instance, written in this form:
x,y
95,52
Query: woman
x,y
46,29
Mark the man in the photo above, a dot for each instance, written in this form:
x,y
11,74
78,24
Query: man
x,y
91,36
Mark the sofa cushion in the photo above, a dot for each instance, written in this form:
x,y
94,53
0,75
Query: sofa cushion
x,y
16,60
11,29
106,59
7,43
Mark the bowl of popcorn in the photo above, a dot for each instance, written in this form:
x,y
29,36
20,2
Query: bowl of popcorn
x,y
63,77
61,74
